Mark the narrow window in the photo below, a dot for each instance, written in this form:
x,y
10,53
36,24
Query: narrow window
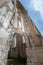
x,y
23,39
15,22
15,41
22,25
19,23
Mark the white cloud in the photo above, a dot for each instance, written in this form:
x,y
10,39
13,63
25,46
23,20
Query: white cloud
x,y
37,5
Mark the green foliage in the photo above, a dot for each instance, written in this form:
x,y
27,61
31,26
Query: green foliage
x,y
16,60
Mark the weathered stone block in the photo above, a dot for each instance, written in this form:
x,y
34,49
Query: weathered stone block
x,y
2,2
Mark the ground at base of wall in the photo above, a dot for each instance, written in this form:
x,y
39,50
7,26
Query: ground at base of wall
x,y
16,61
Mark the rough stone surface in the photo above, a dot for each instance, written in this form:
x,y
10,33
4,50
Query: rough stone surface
x,y
2,2
14,20
5,17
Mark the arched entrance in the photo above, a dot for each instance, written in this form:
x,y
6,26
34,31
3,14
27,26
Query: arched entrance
x,y
17,52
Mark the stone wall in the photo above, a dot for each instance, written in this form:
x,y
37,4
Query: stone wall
x,y
4,47
2,2
32,49
34,40
20,49
34,52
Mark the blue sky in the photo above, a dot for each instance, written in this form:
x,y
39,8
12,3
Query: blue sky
x,y
35,11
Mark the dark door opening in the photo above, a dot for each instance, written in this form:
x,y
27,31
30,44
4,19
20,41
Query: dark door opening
x,y
17,55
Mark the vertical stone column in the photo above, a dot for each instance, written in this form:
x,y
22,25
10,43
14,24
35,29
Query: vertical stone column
x,y
4,47
6,15
27,49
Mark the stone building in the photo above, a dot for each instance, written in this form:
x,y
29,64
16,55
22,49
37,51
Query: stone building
x,y
25,40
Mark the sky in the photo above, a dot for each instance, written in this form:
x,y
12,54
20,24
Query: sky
x,y
35,11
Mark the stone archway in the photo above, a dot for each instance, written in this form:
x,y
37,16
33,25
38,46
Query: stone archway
x,y
18,52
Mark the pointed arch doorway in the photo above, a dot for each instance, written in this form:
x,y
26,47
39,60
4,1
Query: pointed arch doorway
x,y
17,52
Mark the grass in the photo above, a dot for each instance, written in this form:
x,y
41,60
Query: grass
x,y
17,60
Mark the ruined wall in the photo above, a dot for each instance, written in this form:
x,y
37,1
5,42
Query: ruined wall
x,y
34,41
6,14
33,47
34,52
28,23
2,2
20,49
